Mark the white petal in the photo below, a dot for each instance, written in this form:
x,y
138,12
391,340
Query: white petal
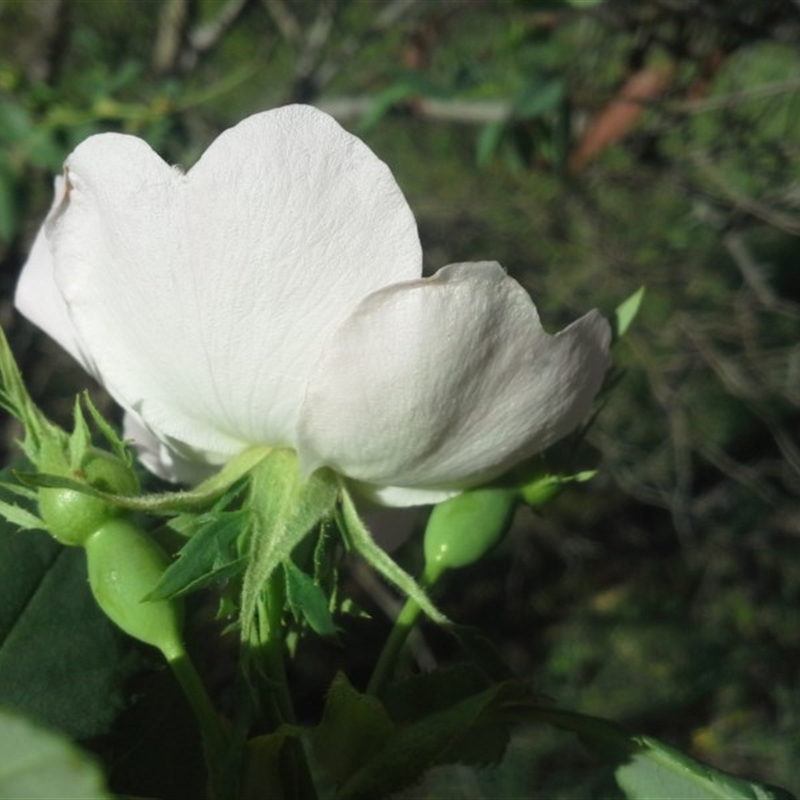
x,y
37,296
204,298
400,496
442,383
160,459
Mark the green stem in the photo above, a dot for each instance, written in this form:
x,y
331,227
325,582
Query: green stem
x,y
403,625
266,654
384,669
215,738
270,647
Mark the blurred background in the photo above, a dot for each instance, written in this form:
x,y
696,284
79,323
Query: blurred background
x,y
591,147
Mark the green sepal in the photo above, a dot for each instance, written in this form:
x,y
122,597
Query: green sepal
x,y
15,399
66,511
306,600
20,517
163,503
80,440
203,496
360,539
544,488
284,506
20,512
626,312
209,556
117,444
543,477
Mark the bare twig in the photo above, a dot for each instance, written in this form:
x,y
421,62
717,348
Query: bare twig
x,y
311,51
738,385
736,471
285,21
739,200
752,272
42,52
468,112
173,20
734,99
207,35
389,15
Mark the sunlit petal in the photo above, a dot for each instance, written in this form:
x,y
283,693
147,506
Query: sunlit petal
x,y
441,383
205,297
38,296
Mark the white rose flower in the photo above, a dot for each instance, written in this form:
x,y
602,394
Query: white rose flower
x,y
272,295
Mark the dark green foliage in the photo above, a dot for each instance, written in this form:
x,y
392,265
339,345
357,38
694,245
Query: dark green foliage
x,y
61,661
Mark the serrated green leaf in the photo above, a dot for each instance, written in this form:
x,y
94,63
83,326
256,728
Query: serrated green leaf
x,y
20,517
481,651
275,767
28,494
626,312
59,673
647,769
353,729
415,698
35,764
466,732
659,772
307,601
363,543
209,556
284,507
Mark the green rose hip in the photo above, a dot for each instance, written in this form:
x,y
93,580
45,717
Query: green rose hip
x,y
463,529
124,565
71,516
